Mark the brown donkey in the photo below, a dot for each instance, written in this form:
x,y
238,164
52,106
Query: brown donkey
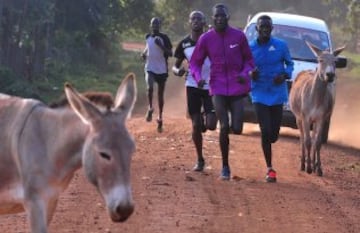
x,y
42,147
312,99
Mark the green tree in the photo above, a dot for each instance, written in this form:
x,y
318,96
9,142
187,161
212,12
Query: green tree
x,y
350,11
36,33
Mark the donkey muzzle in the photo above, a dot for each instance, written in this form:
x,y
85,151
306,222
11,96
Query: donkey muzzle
x,y
330,76
122,213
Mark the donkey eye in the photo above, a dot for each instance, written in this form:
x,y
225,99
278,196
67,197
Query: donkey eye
x,y
105,156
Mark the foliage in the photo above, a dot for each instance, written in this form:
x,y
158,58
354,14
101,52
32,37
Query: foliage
x,y
350,27
44,43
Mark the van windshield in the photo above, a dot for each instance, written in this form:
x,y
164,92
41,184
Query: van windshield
x,y
295,38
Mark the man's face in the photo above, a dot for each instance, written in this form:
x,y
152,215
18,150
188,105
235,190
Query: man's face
x,y
155,25
220,17
264,28
197,21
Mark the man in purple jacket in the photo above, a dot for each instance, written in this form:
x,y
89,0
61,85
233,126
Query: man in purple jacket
x,y
231,60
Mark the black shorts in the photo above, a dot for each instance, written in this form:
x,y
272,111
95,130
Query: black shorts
x,y
151,77
198,100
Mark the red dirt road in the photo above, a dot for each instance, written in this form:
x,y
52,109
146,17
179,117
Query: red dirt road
x,y
171,198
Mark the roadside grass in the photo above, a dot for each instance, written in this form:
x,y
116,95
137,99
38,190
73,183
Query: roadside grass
x,y
85,78
50,87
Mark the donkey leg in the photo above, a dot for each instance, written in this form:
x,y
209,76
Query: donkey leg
x,y
318,161
314,145
308,143
317,147
302,145
303,150
51,208
36,211
318,164
40,203
308,158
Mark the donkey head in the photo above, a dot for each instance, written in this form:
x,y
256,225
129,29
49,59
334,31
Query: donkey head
x,y
326,62
108,147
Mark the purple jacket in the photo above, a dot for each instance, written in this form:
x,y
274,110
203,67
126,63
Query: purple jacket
x,y
230,58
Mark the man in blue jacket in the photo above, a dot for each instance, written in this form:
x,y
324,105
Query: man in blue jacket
x,y
231,60
268,86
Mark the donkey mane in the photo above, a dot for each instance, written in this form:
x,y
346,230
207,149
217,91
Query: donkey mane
x,y
103,99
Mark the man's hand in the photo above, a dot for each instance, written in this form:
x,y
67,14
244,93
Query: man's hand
x,y
254,74
201,83
182,71
158,41
143,56
280,79
179,71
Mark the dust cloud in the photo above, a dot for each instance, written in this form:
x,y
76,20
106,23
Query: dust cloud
x,y
175,99
345,121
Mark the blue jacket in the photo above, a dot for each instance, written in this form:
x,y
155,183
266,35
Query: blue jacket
x,y
272,58
230,58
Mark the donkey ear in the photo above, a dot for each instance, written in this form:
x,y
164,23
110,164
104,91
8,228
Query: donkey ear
x,y
338,50
87,112
126,94
316,51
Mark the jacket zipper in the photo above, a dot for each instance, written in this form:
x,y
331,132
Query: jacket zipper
x,y
226,68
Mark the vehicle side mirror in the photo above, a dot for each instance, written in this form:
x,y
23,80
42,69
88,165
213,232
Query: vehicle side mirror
x,y
341,62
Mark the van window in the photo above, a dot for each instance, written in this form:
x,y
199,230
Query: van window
x,y
295,38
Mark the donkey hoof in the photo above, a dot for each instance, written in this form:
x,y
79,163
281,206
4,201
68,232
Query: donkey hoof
x,y
319,172
309,170
302,168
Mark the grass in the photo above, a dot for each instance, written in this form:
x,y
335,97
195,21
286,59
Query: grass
x,y
85,78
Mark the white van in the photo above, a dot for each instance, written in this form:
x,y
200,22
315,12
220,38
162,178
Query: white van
x,y
295,30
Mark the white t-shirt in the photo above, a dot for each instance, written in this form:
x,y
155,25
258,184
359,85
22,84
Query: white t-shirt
x,y
156,61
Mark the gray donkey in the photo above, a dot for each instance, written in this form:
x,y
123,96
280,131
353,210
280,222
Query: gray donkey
x,y
42,147
311,99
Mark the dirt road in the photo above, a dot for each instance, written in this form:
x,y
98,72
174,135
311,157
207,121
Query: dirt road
x,y
171,198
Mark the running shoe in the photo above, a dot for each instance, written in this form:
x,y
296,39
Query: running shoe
x,y
149,113
199,166
271,176
225,173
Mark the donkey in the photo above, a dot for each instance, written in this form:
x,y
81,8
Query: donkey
x,y
42,147
311,99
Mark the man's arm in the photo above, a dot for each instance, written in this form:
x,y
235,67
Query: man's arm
x,y
145,51
248,60
143,54
166,46
180,57
177,69
197,59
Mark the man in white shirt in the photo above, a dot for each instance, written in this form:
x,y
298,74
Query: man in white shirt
x,y
158,49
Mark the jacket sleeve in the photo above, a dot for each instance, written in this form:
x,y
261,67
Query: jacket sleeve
x,y
197,59
248,60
